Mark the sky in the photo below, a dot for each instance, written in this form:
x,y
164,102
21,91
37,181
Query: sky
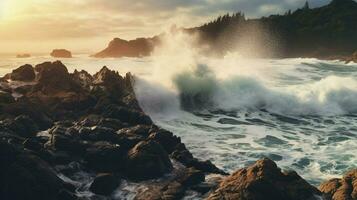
x,y
86,26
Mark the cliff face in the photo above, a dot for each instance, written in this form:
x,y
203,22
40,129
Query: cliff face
x,y
322,32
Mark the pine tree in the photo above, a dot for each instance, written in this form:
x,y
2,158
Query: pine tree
x,y
306,6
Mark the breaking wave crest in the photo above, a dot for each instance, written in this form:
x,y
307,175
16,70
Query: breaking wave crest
x,y
201,89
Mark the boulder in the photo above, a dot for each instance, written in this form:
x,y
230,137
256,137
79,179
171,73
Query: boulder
x,y
23,73
264,181
23,126
61,53
104,184
105,157
147,160
166,139
344,188
54,77
25,176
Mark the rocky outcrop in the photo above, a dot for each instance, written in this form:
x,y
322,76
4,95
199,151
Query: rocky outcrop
x,y
23,73
67,124
264,181
134,48
25,55
61,53
352,58
344,188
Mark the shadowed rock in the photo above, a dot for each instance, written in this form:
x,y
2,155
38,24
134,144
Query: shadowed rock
x,y
147,160
23,73
104,184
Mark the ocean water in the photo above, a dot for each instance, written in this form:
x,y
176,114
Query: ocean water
x,y
302,113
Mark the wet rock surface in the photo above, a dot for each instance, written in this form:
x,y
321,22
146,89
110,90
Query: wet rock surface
x,y
344,188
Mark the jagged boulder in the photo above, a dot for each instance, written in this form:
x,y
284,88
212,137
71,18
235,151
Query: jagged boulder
x,y
61,53
264,181
344,188
147,160
83,78
54,77
23,73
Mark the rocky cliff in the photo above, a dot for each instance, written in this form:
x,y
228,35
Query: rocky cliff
x,y
67,136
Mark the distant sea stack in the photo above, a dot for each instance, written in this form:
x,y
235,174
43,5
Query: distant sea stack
x,y
139,47
61,53
25,55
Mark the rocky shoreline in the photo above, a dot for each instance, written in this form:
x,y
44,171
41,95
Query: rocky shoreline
x,y
66,136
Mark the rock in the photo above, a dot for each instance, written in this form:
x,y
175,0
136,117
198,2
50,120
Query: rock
x,y
105,157
264,181
25,55
184,156
6,98
25,176
61,53
23,126
104,184
341,189
166,139
133,48
23,73
53,78
83,78
127,115
192,177
147,160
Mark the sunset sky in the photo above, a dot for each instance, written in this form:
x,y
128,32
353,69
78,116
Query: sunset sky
x,y
87,26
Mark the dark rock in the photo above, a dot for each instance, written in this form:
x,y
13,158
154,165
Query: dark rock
x,y
6,98
66,195
23,126
83,78
264,181
25,176
192,177
61,53
166,139
33,144
54,77
184,156
23,73
104,184
105,157
147,160
127,115
100,134
341,189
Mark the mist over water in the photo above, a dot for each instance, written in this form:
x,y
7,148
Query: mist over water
x,y
234,110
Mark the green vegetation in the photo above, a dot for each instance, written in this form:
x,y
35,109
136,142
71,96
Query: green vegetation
x,y
322,32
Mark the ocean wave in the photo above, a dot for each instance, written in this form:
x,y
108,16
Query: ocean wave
x,y
201,89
